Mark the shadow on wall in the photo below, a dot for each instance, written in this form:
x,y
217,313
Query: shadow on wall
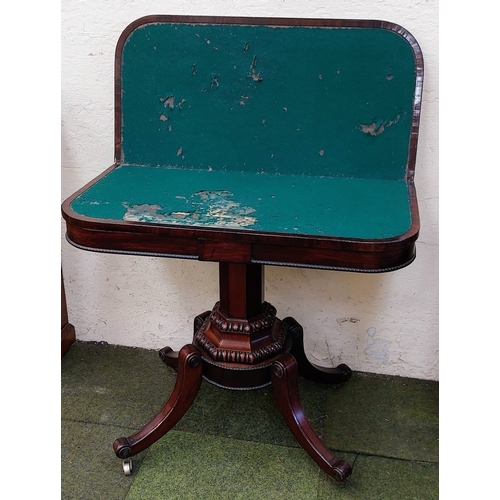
x,y
343,314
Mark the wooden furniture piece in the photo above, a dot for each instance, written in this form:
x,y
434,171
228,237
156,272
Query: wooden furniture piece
x,y
68,336
254,142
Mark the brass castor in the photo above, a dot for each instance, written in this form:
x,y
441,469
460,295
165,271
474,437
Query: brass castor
x,y
127,466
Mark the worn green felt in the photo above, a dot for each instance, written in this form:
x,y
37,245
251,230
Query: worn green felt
x,y
292,130
326,206
294,100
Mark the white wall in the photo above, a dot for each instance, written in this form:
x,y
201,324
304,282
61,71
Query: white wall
x,y
383,323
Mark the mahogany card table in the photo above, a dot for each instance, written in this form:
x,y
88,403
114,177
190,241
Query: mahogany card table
x,y
254,142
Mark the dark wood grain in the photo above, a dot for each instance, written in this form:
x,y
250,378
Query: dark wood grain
x,y
68,335
241,343
285,389
232,245
186,388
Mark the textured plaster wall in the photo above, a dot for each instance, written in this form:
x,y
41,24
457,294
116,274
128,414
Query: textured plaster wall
x,y
382,323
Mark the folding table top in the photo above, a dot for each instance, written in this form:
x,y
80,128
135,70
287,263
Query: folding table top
x,y
283,133
307,205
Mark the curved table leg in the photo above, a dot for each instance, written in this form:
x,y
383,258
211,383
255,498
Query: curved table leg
x,y
285,388
308,370
198,321
185,390
170,357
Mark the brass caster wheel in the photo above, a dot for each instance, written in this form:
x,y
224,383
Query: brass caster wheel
x,y
127,466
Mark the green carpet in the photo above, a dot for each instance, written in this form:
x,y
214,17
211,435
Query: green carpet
x,y
235,445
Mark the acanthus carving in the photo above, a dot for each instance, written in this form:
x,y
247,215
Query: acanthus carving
x,y
224,324
227,325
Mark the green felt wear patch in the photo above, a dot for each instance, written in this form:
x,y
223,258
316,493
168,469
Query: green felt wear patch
x,y
324,206
286,100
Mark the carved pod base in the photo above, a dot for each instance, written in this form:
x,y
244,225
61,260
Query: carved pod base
x,y
242,341
242,345
238,353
